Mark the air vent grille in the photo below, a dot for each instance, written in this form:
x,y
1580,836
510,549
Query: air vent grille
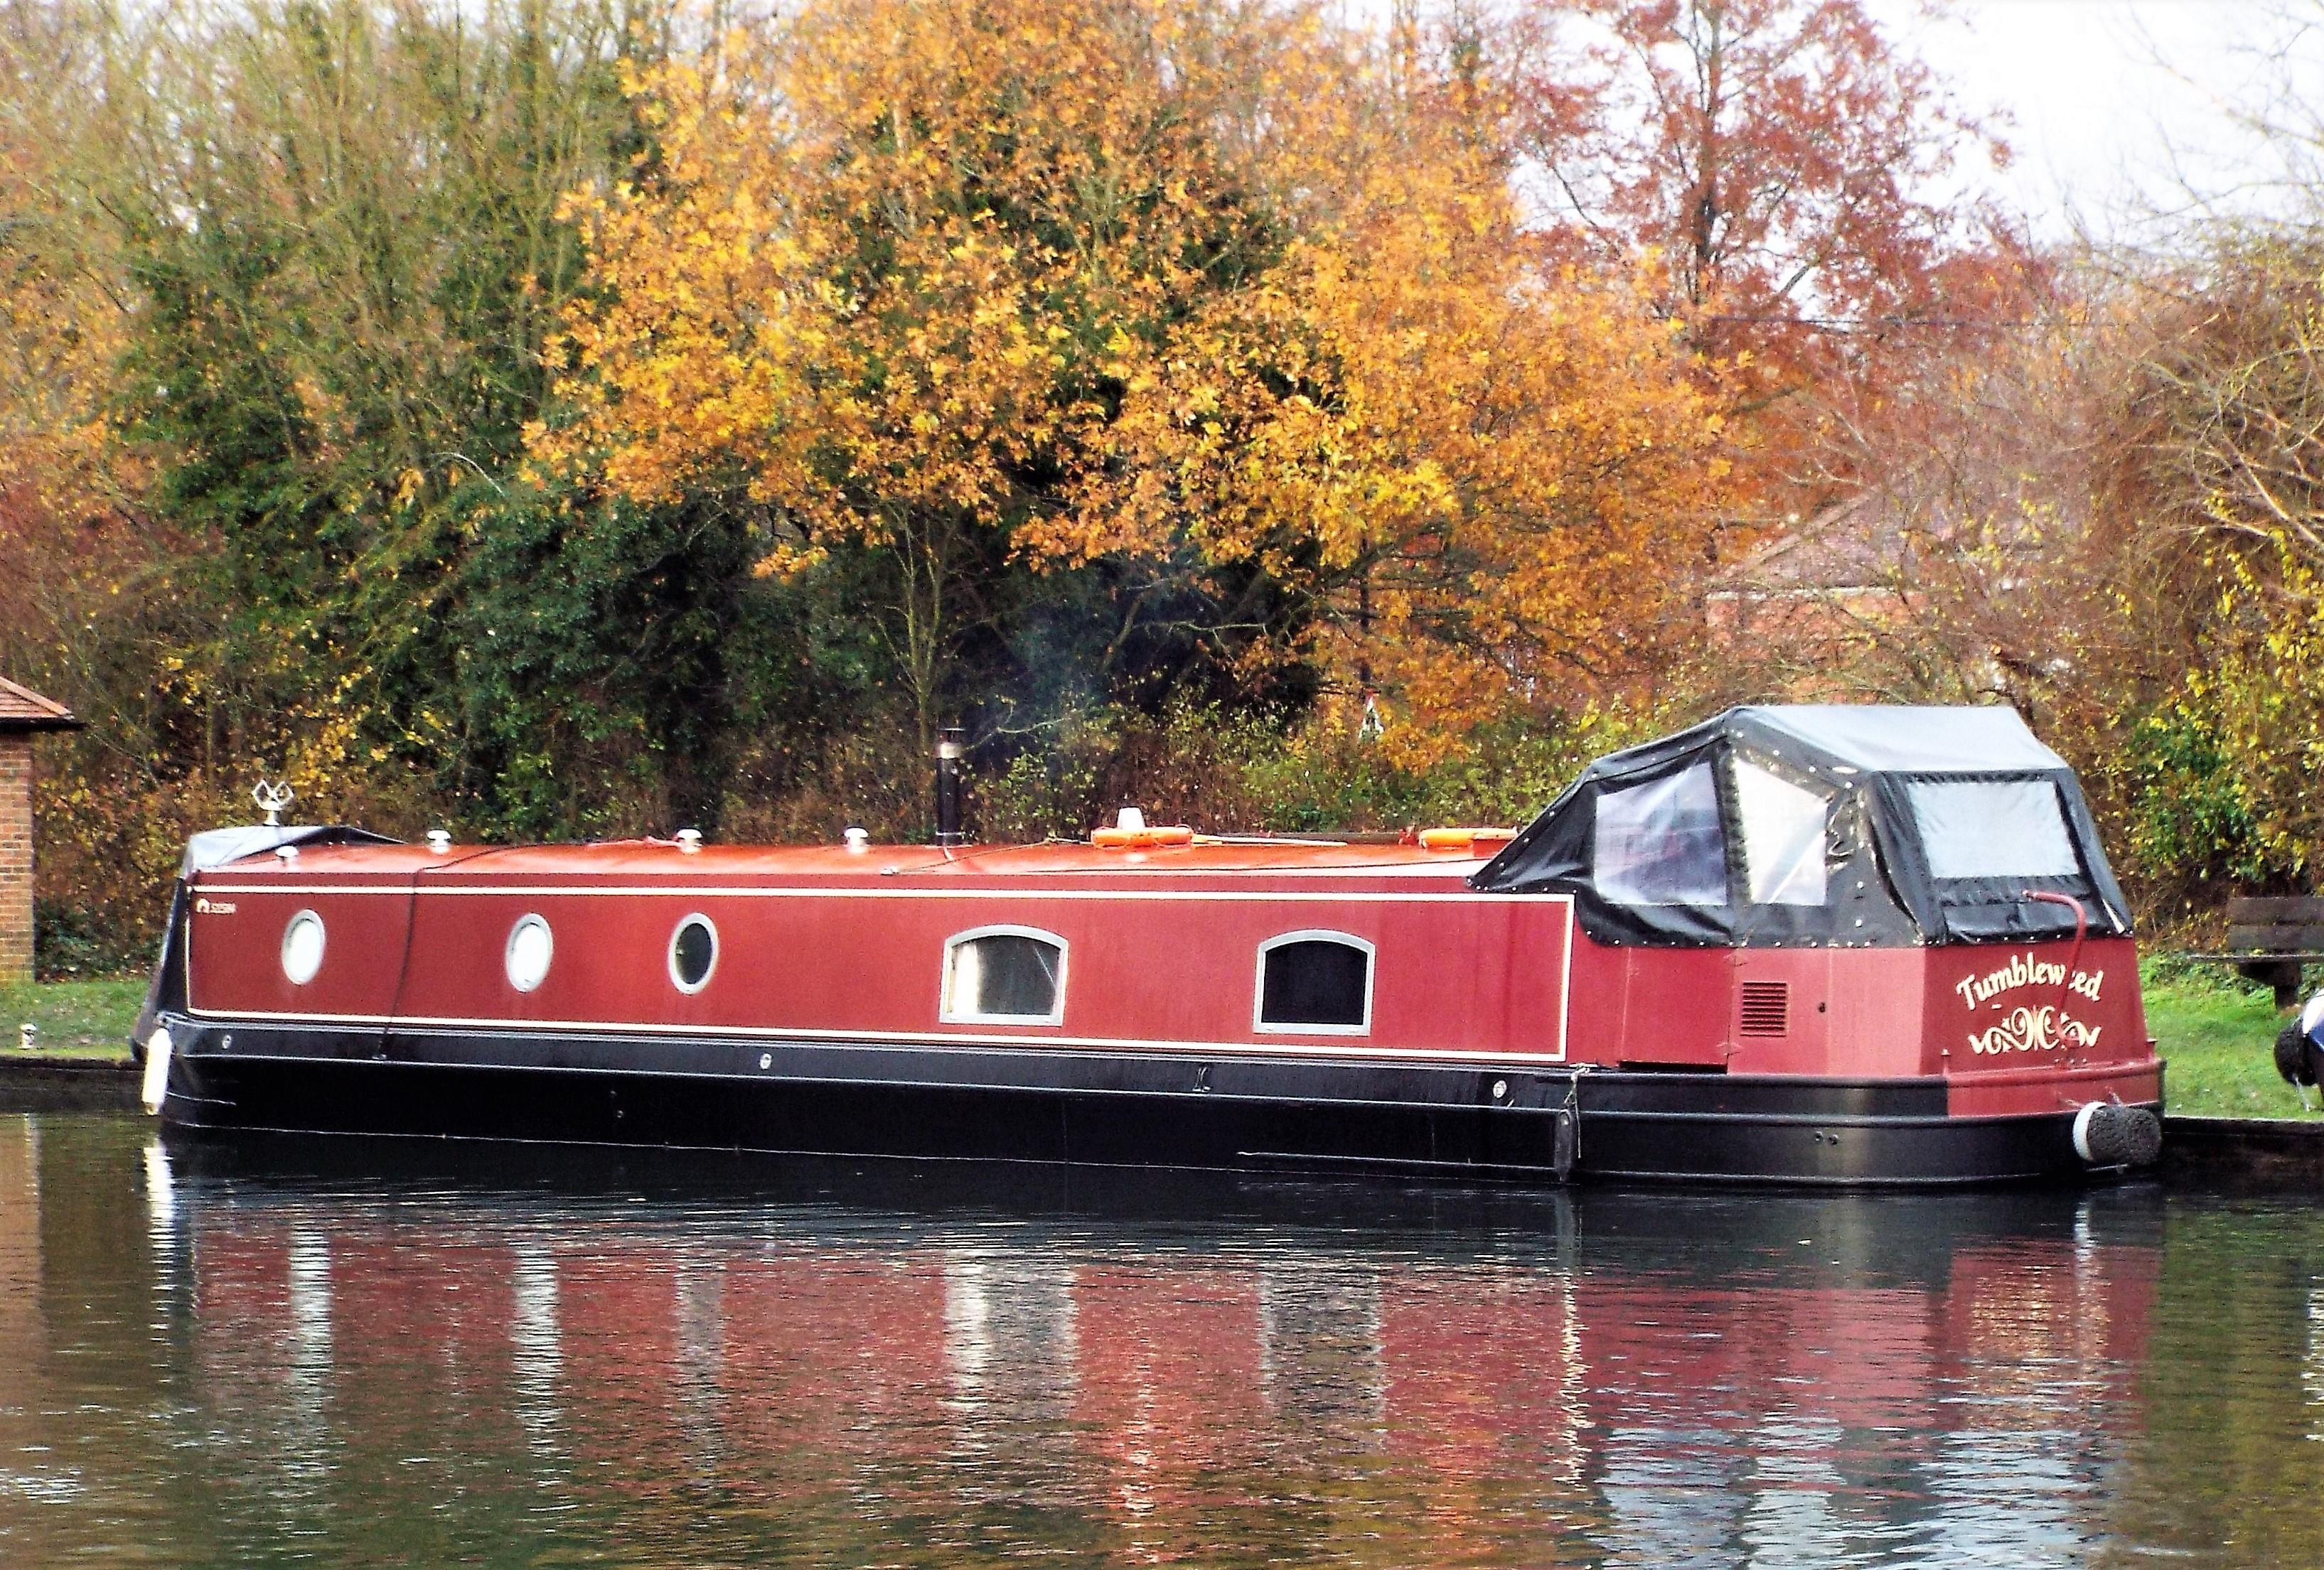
x,y
1766,1008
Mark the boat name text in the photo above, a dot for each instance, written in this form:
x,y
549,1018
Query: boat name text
x,y
2025,970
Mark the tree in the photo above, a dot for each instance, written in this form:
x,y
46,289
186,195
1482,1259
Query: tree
x,y
1486,483
1783,161
62,295
871,279
344,223
1117,281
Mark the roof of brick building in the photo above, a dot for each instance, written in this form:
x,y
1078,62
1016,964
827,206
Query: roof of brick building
x,y
22,708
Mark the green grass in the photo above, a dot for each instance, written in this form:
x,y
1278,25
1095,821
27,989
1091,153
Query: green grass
x,y
75,1019
2218,1035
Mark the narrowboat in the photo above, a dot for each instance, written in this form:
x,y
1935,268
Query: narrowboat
x,y
1803,944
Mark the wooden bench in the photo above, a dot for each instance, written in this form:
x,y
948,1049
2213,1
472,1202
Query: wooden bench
x,y
2269,939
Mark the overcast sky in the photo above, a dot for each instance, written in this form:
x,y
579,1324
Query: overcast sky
x,y
2115,105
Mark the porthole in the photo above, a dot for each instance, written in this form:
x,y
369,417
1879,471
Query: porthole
x,y
530,947
302,947
693,954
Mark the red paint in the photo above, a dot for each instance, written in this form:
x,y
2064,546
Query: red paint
x,y
1162,955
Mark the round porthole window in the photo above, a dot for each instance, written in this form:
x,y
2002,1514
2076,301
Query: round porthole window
x,y
302,947
693,954
530,947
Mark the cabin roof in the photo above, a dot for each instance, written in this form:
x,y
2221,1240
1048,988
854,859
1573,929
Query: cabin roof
x,y
1857,766
1907,739
627,859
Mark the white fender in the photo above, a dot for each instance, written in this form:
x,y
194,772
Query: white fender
x,y
156,1087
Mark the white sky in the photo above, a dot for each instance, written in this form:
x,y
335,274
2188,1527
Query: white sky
x,y
2114,108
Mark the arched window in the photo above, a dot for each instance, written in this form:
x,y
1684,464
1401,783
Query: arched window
x,y
1314,983
1004,976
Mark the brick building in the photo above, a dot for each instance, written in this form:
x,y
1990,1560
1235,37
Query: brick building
x,y
24,714
1825,587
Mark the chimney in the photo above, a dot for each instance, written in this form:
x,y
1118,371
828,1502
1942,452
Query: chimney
x,y
948,751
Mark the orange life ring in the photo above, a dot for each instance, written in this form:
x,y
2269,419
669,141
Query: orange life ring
x,y
1141,839
1464,838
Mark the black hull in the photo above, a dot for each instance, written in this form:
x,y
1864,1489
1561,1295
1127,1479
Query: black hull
x,y
1543,1125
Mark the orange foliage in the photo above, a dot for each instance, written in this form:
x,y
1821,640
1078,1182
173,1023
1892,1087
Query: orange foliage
x,y
1780,158
62,326
1148,278
1487,483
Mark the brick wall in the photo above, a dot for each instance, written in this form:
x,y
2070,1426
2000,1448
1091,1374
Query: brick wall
x,y
16,858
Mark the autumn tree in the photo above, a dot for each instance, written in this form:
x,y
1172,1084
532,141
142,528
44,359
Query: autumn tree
x,y
1483,481
1788,166
876,272
63,295
2219,478
1124,281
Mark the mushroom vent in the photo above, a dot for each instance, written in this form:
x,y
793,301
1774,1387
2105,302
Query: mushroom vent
x,y
1766,1008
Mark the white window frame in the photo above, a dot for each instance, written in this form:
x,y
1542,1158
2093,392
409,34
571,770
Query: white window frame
x,y
322,948
717,948
1312,935
508,952
947,1015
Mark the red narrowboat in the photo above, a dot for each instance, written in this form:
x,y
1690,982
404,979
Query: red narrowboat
x,y
1816,944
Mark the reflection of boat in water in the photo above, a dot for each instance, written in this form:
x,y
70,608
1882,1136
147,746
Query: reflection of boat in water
x,y
1656,1379
1806,944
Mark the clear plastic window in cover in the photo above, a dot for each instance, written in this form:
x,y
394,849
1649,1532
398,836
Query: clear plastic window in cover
x,y
1782,837
1993,827
1660,844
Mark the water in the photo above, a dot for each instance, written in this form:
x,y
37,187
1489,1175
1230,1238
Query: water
x,y
299,1356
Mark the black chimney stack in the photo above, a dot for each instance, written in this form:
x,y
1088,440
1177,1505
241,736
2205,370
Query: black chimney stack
x,y
948,750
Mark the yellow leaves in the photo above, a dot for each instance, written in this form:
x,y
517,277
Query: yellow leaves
x,y
789,560
62,325
1490,470
880,260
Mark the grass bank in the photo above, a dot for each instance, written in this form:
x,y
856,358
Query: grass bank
x,y
76,1019
2217,1034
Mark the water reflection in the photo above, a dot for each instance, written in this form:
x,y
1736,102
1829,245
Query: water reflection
x,y
289,1355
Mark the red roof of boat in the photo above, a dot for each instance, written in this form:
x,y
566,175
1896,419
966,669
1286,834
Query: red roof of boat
x,y
650,857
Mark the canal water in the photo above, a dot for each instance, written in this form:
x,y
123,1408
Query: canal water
x,y
367,1354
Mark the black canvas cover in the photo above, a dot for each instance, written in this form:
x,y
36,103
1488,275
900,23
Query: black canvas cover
x,y
216,847
1823,825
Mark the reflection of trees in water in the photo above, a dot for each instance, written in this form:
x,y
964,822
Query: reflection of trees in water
x,y
1679,1381
1321,1355
1086,1390
25,1479
2218,1460
2313,1373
